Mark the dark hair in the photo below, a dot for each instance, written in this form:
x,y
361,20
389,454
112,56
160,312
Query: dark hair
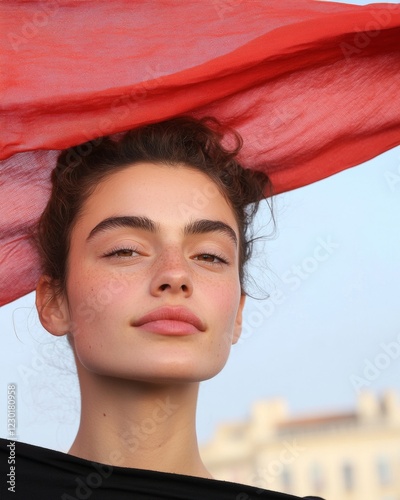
x,y
182,140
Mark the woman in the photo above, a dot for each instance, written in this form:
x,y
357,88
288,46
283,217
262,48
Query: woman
x,y
149,286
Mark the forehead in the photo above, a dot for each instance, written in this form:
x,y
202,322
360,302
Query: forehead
x,y
169,194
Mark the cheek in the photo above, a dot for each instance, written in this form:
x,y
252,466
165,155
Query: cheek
x,y
94,302
225,303
225,297
98,318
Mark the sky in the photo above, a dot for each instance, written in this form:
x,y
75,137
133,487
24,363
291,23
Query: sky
x,y
329,329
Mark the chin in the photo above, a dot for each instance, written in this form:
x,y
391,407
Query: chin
x,y
161,375
158,368
175,374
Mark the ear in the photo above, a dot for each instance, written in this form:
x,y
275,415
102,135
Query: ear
x,y
52,307
238,322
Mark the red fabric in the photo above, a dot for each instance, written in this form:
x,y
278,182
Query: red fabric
x,y
313,87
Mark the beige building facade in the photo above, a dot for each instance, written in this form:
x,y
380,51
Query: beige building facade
x,y
347,456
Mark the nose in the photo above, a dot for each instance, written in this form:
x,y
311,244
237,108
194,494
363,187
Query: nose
x,y
171,275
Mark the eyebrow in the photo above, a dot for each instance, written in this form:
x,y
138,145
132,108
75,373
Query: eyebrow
x,y
198,226
201,226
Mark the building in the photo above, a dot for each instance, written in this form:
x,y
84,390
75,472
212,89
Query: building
x,y
344,456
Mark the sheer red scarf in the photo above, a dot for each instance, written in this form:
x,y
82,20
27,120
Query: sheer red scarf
x,y
313,88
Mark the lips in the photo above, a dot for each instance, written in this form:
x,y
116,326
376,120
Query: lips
x,y
171,321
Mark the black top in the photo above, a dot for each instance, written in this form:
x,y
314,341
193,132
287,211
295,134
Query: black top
x,y
33,473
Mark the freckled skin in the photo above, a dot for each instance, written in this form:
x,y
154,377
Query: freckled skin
x,y
107,294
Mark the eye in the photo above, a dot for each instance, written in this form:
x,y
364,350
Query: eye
x,y
212,258
121,253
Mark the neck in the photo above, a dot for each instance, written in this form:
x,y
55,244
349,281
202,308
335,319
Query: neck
x,y
139,425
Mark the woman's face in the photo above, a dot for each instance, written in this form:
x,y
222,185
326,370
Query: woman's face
x,y
156,240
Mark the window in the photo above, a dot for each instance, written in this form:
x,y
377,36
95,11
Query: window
x,y
286,478
384,471
317,478
348,476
